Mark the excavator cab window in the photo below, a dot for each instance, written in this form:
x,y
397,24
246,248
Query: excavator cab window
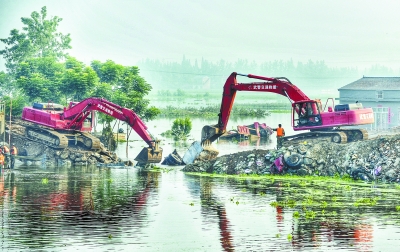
x,y
306,114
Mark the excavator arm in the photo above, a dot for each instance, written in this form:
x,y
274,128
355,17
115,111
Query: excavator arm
x,y
281,86
78,112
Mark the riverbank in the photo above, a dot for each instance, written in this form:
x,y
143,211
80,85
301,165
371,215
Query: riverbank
x,y
376,159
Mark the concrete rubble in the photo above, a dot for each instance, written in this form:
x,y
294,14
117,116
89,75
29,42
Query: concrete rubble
x,y
376,159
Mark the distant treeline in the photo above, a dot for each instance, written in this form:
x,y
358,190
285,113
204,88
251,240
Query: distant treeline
x,y
243,110
205,74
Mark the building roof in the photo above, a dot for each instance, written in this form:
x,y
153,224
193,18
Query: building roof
x,y
374,83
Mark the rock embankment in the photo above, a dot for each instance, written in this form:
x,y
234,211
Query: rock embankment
x,y
33,152
374,159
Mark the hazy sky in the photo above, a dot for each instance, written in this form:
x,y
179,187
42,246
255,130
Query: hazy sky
x,y
357,33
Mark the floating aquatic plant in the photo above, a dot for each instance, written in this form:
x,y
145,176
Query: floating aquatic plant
x,y
303,183
347,187
310,214
274,204
45,181
365,202
308,201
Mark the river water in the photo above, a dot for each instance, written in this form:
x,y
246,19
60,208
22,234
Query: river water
x,y
136,209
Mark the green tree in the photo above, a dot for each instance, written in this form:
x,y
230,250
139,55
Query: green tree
x,y
40,79
102,89
16,102
78,80
128,88
179,93
124,86
44,79
109,71
39,38
6,84
181,128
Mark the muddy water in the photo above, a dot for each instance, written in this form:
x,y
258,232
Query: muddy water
x,y
133,209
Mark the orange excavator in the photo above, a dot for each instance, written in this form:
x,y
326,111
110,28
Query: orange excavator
x,y
60,127
308,116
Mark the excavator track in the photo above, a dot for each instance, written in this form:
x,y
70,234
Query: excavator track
x,y
47,136
328,136
90,141
354,135
340,136
62,140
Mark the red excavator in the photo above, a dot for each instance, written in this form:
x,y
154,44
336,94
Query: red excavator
x,y
307,115
60,127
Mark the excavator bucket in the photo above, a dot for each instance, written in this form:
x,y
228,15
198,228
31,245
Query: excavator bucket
x,y
210,133
150,155
203,150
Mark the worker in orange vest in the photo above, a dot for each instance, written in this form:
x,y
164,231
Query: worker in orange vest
x,y
6,153
14,152
280,133
1,158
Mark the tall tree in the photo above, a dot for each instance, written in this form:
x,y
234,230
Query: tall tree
x,y
40,79
39,38
78,81
128,87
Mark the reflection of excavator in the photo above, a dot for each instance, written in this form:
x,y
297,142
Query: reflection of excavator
x,y
307,115
69,126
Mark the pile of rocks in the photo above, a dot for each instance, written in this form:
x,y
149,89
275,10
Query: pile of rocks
x,y
34,152
374,159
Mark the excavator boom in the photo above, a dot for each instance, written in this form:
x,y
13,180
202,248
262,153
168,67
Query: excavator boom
x,y
69,125
281,86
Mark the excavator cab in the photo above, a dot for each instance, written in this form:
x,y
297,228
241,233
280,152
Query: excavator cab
x,y
306,113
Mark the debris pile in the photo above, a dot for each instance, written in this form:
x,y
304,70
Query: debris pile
x,y
375,159
33,151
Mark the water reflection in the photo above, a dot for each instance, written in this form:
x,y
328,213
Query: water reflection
x,y
211,209
123,209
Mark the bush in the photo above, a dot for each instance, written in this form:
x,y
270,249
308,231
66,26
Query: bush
x,y
181,128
